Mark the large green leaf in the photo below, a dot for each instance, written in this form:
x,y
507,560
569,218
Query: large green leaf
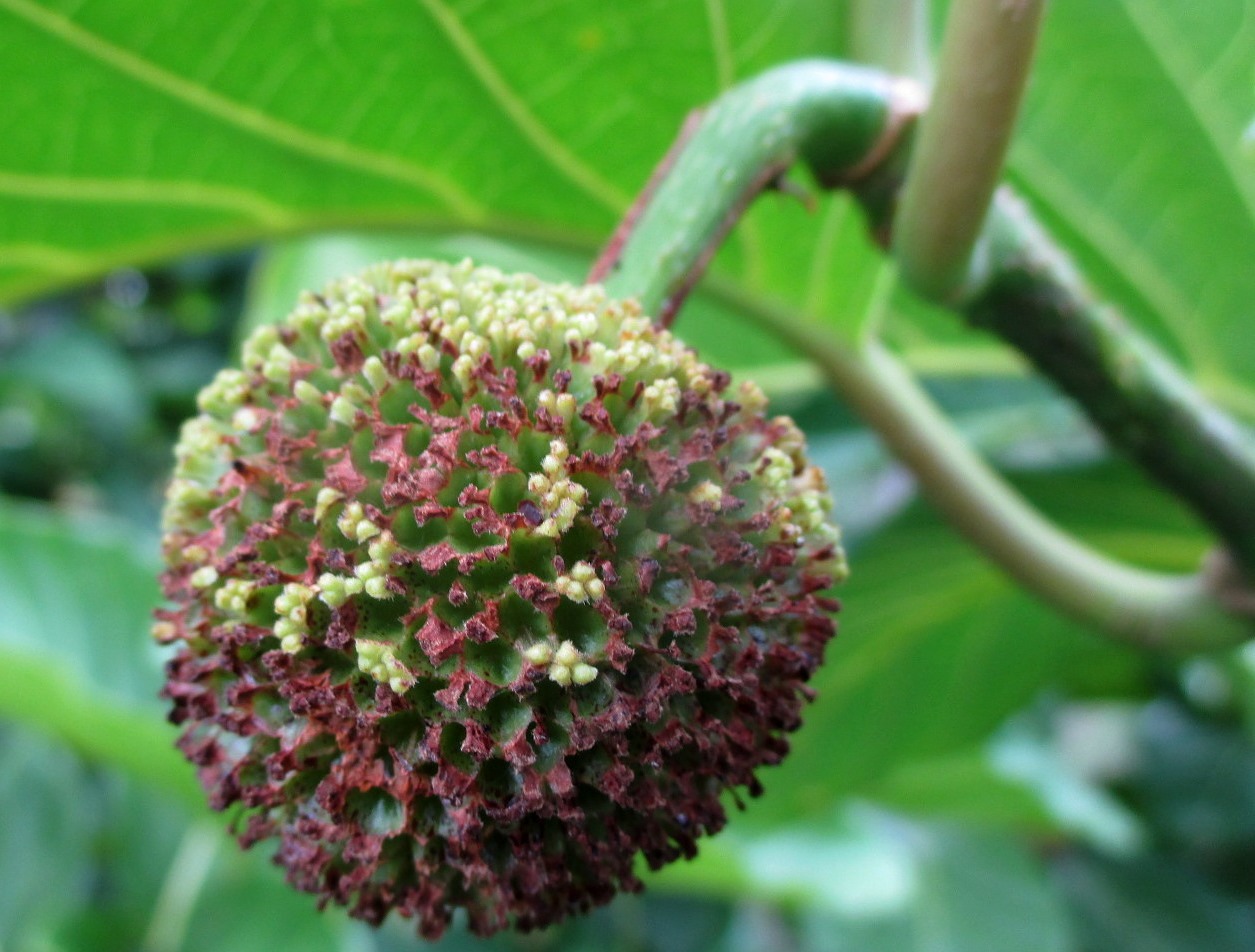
x,y
134,132
873,881
45,837
1131,147
1151,905
75,658
139,130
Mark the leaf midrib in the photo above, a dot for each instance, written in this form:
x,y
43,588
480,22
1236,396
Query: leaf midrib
x,y
241,116
1158,39
517,111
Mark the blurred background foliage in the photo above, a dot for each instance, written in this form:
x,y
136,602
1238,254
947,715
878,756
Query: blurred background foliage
x,y
977,774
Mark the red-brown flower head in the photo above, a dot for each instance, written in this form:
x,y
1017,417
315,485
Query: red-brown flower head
x,y
480,588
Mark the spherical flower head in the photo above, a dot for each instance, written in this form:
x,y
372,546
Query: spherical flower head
x,y
480,587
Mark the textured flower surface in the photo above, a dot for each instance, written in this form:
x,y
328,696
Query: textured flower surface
x,y
480,587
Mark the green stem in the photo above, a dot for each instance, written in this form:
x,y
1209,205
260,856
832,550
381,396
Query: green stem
x,y
892,35
837,118
1142,402
1140,607
957,160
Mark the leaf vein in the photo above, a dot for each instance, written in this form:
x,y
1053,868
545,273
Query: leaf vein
x,y
145,192
720,44
242,116
519,113
1120,249
1162,41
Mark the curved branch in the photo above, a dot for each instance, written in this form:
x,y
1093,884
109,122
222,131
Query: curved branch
x,y
843,121
852,127
1142,608
1144,404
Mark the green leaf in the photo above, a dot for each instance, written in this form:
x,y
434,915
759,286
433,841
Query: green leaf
x,y
95,863
936,648
226,122
247,907
872,881
46,834
1017,780
1131,148
99,368
1196,781
655,922
1150,905
964,786
163,883
75,658
55,420
76,588
1027,752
